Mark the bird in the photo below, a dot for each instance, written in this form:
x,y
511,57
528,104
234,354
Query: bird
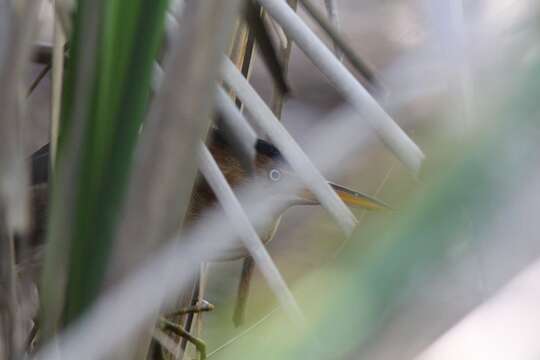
x,y
269,165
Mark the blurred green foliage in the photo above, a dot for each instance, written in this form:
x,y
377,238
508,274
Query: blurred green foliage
x,y
466,182
129,35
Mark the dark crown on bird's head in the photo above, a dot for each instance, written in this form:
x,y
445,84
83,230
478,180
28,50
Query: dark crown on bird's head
x,y
265,148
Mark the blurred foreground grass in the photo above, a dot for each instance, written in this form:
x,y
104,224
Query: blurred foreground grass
x,y
465,186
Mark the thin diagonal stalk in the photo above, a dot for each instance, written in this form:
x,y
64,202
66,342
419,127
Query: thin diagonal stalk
x,y
265,44
391,134
278,98
309,174
242,225
242,50
243,333
37,80
333,15
333,32
240,44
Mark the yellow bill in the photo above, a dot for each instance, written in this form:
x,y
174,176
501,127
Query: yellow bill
x,y
357,199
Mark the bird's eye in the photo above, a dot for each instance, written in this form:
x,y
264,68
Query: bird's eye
x,y
274,175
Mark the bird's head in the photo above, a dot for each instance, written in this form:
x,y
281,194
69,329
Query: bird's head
x,y
272,167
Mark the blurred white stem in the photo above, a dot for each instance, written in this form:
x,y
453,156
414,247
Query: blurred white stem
x,y
246,231
390,133
297,159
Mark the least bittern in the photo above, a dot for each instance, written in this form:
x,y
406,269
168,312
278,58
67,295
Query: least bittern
x,y
269,165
